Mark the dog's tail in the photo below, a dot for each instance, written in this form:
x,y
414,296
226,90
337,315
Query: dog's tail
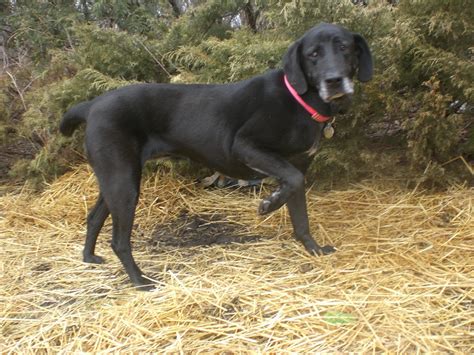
x,y
74,117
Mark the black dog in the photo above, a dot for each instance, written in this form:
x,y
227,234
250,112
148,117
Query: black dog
x,y
249,129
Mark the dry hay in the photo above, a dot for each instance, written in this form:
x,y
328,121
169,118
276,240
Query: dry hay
x,y
402,280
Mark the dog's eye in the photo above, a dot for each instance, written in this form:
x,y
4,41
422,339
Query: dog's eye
x,y
342,47
314,54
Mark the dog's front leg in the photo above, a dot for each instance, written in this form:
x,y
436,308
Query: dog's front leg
x,y
270,164
299,214
291,189
299,219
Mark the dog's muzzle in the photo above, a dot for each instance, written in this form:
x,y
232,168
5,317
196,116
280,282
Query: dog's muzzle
x,y
333,89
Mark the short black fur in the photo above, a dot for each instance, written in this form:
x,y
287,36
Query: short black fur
x,y
252,128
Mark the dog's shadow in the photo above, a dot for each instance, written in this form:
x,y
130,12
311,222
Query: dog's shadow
x,y
191,230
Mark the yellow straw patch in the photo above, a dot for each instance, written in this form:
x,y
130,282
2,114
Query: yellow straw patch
x,y
401,281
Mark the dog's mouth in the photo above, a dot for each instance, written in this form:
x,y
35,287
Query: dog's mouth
x,y
341,104
332,93
336,96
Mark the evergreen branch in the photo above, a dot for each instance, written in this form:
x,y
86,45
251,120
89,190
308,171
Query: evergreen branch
x,y
154,57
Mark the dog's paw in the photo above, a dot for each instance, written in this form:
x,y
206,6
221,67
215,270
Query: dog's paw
x,y
143,284
325,250
328,249
314,249
271,203
93,259
145,288
264,207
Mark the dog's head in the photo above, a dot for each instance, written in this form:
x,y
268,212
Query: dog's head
x,y
326,58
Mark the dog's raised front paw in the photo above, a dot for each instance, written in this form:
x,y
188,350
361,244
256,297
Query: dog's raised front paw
x,y
271,203
264,207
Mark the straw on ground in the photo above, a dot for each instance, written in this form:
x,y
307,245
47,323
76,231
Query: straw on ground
x,y
401,281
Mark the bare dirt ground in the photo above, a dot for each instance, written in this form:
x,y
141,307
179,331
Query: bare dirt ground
x,y
230,281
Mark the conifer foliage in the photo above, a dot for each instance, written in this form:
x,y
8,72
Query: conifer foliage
x,y
416,115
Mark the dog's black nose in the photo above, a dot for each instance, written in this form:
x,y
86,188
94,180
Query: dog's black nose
x,y
334,80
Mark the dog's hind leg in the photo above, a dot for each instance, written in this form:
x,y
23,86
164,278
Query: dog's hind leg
x,y
116,163
121,190
95,221
121,195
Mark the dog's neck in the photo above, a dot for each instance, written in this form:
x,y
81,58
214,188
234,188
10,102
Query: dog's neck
x,y
310,101
312,98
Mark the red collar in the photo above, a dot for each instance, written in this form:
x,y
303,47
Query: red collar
x,y
314,114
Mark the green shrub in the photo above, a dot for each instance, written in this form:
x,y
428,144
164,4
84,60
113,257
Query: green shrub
x,y
401,123
118,54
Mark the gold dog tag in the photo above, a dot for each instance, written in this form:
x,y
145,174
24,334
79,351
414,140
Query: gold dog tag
x,y
328,131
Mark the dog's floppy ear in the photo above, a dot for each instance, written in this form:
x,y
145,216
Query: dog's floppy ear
x,y
292,68
366,66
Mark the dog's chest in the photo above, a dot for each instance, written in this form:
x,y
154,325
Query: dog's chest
x,y
314,148
311,139
301,137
